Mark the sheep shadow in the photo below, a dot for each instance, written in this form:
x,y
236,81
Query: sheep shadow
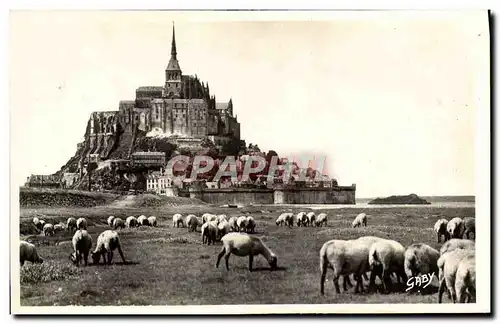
x,y
260,269
114,263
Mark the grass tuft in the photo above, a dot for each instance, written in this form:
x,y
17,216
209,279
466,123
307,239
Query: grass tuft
x,y
48,271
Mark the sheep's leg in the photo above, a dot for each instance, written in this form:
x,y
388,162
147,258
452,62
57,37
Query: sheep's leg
x,y
110,257
85,258
104,257
250,261
221,254
461,294
227,260
323,263
336,281
439,238
442,287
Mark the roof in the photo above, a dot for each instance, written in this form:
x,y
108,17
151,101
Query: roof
x,y
149,153
173,65
150,88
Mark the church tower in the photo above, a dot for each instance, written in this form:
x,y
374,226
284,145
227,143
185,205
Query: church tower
x,y
173,73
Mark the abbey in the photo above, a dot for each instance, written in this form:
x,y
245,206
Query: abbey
x,y
183,106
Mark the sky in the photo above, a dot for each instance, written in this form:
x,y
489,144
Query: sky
x,y
391,99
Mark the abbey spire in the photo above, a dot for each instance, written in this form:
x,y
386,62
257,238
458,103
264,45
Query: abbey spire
x,y
173,64
173,73
173,51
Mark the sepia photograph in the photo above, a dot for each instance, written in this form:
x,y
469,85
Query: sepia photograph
x,y
249,162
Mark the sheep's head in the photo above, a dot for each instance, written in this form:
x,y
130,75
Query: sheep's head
x,y
96,257
273,262
72,257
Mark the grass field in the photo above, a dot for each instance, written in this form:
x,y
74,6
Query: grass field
x,y
170,266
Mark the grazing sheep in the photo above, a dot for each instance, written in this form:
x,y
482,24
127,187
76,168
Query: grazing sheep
x,y
385,257
421,259
152,221
81,223
221,218
310,219
280,220
344,258
131,221
301,218
454,244
110,220
193,222
176,220
470,227
232,222
209,233
250,228
223,229
71,224
206,217
142,221
82,243
242,245
118,223
48,230
106,243
359,220
41,224
448,264
456,228
321,220
441,229
465,279
59,227
36,222
213,218
289,219
241,223
28,252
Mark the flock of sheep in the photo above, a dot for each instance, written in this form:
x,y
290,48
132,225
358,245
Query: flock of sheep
x,y
454,263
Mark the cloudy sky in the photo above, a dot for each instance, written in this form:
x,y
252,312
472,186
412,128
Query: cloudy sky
x,y
390,98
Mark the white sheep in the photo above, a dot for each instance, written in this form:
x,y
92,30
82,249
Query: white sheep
x,y
118,223
71,224
421,259
232,222
310,219
82,243
223,229
213,218
41,224
344,258
106,243
360,220
176,220
59,227
289,219
301,218
206,217
280,220
36,222
81,223
448,264
242,244
131,221
48,230
441,229
209,232
454,244
470,227
28,252
110,220
250,228
142,221
386,257
152,221
321,219
221,218
193,222
241,223
465,279
456,228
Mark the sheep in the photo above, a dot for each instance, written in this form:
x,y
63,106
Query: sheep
x,y
454,244
59,227
250,228
176,220
321,220
344,258
310,219
110,220
71,224
421,259
470,227
232,222
81,223
48,230
281,219
223,229
142,221
456,228
152,221
289,219
441,229
206,217
131,221
41,224
36,222
192,222
465,279
118,223
360,220
448,264
28,252
213,218
106,243
221,218
209,233
301,218
242,244
82,243
241,223
385,257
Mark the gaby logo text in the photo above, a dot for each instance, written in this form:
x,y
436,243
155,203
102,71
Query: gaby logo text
x,y
421,281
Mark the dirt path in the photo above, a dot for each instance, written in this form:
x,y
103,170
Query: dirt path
x,y
127,202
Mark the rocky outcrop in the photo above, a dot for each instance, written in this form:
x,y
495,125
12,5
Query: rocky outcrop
x,y
411,199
